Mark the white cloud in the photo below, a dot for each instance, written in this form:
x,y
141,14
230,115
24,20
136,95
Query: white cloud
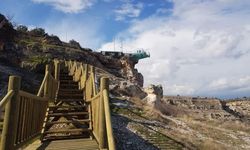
x,y
67,28
128,9
238,84
201,42
68,6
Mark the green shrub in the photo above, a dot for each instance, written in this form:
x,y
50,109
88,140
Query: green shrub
x,y
38,32
22,28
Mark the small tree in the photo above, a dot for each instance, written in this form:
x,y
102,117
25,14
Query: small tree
x,y
22,28
74,44
38,32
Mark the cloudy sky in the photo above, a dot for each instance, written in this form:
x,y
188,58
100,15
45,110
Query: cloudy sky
x,y
197,47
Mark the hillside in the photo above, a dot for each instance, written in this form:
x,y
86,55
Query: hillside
x,y
142,118
32,49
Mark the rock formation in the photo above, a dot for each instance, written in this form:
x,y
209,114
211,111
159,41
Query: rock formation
x,y
154,94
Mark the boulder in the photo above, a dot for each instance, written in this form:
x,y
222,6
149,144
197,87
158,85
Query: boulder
x,y
154,94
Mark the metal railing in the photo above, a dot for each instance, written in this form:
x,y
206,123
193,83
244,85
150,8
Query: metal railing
x,y
25,112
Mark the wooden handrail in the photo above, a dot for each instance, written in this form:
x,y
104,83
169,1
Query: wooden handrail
x,y
6,98
93,98
42,85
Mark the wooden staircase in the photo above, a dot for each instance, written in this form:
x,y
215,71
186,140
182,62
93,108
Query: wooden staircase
x,y
69,116
70,111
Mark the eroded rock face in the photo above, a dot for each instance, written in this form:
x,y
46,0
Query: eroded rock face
x,y
154,94
128,70
200,108
239,108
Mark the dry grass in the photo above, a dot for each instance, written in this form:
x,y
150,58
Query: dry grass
x,y
212,145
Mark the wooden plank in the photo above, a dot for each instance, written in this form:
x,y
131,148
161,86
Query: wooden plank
x,y
63,106
68,114
61,137
67,130
73,144
68,121
70,99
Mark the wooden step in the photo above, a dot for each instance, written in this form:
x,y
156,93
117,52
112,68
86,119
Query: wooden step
x,y
79,93
70,99
68,121
66,78
70,87
62,137
67,81
68,114
70,90
70,94
65,75
69,84
62,98
51,111
63,106
67,130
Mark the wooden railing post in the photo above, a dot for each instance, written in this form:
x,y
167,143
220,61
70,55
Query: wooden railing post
x,y
92,70
102,124
46,86
11,115
57,69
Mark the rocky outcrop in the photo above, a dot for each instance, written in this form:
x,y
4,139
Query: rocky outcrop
x,y
154,94
239,108
126,88
128,70
74,44
53,40
198,108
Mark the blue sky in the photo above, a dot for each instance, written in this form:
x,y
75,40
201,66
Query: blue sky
x,y
198,47
108,17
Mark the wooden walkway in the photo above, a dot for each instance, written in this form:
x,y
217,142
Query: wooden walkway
x,y
73,144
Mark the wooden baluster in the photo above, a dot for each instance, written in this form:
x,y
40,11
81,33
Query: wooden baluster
x,y
102,124
11,113
92,70
57,70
